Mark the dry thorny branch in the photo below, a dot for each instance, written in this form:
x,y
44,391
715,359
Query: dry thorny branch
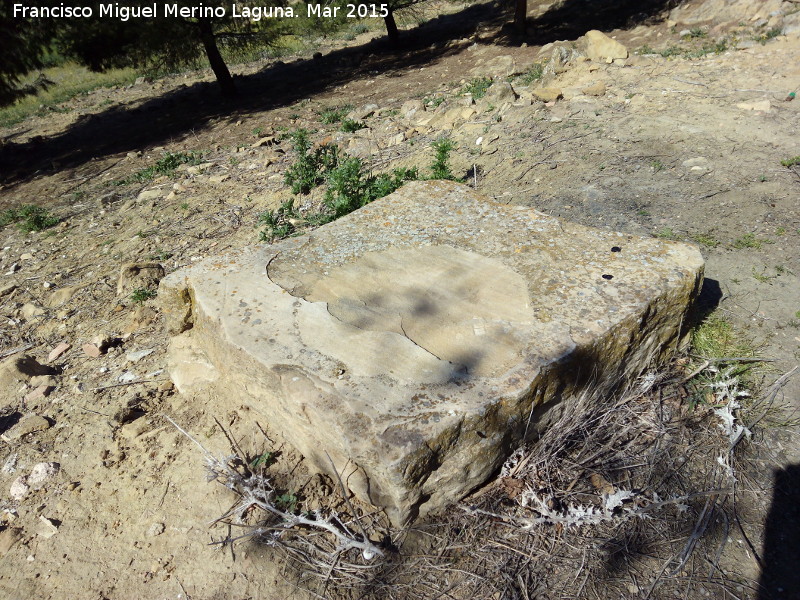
x,y
626,498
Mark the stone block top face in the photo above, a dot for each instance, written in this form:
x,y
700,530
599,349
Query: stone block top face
x,y
413,338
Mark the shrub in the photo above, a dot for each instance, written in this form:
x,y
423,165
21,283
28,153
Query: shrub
x,y
311,167
29,218
440,167
350,126
165,165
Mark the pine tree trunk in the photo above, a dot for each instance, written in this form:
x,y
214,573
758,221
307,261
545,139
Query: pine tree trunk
x,y
218,65
391,27
520,16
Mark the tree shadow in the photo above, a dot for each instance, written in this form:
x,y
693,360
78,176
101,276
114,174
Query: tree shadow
x,y
780,575
178,114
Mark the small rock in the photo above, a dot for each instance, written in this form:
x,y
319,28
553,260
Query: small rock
x,y
20,488
26,256
20,369
58,351
127,377
42,473
264,141
364,112
91,350
760,106
548,94
166,386
47,527
156,529
699,161
26,425
601,48
10,465
138,355
8,537
499,93
108,199
62,295
38,393
7,289
149,195
30,310
597,89
218,178
411,107
133,276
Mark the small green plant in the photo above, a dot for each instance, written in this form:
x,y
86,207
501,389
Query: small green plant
x,y
768,35
440,167
258,131
748,240
335,114
433,101
697,32
184,206
535,73
141,295
263,461
161,255
278,223
351,126
666,233
287,502
762,277
715,338
657,166
311,167
706,239
478,87
791,162
165,165
780,230
28,218
350,187
762,178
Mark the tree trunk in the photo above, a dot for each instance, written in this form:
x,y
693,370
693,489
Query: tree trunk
x,y
218,65
520,16
391,27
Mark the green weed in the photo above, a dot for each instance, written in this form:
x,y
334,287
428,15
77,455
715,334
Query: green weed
x,y
748,240
165,165
478,87
311,167
791,162
335,114
351,126
28,218
535,73
140,295
440,167
706,239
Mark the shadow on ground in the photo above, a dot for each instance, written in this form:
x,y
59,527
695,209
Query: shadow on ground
x,y
181,112
780,575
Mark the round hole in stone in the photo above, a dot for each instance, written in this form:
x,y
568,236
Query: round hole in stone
x,y
616,249
607,276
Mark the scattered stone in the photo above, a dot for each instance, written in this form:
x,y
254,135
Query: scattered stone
x,y
166,386
27,424
58,351
499,93
10,466
149,195
42,473
20,369
20,488
547,94
359,342
8,537
218,178
601,48
597,89
498,68
156,529
6,289
411,107
558,62
697,165
30,311
39,392
26,256
108,199
138,355
47,527
128,377
364,112
62,295
91,350
264,141
760,105
13,269
133,276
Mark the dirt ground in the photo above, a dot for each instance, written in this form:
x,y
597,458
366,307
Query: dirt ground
x,y
681,147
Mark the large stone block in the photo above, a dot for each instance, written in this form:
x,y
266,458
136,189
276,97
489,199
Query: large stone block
x,y
418,340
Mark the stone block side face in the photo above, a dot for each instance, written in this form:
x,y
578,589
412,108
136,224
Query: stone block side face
x,y
413,447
